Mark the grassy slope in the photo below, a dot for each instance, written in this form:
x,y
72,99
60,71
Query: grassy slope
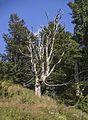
x,y
18,103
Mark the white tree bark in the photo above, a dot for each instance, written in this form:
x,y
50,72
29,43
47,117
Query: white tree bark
x,y
41,55
37,88
77,80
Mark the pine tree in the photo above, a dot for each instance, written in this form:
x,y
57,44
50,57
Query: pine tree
x,y
17,39
80,20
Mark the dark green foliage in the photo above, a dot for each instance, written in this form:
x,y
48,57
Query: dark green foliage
x,y
64,42
16,39
6,70
83,104
64,72
80,20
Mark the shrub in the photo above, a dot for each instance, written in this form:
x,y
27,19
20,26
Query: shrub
x,y
83,104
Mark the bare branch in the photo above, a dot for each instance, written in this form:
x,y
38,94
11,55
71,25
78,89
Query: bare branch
x,y
47,17
52,69
82,72
51,51
28,82
50,61
57,85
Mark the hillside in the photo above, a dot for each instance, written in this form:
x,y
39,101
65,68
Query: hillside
x,y
18,103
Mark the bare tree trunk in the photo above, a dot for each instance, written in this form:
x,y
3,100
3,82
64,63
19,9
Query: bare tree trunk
x,y
77,80
38,89
77,90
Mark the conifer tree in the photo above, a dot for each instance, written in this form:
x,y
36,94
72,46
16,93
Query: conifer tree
x,y
80,20
15,39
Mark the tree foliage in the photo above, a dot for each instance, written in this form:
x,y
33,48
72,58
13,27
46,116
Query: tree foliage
x,y
80,20
15,39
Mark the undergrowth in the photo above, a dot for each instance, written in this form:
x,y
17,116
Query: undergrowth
x,y
19,103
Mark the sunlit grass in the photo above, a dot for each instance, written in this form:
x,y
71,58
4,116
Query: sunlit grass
x,y
18,103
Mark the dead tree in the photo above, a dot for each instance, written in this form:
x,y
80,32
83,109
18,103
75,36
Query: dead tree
x,y
41,55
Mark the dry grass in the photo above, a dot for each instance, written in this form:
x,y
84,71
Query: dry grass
x,y
18,103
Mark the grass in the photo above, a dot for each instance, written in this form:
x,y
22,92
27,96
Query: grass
x,y
18,103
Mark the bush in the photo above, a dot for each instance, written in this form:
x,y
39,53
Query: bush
x,y
83,104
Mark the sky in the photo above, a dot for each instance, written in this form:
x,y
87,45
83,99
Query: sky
x,y
33,13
